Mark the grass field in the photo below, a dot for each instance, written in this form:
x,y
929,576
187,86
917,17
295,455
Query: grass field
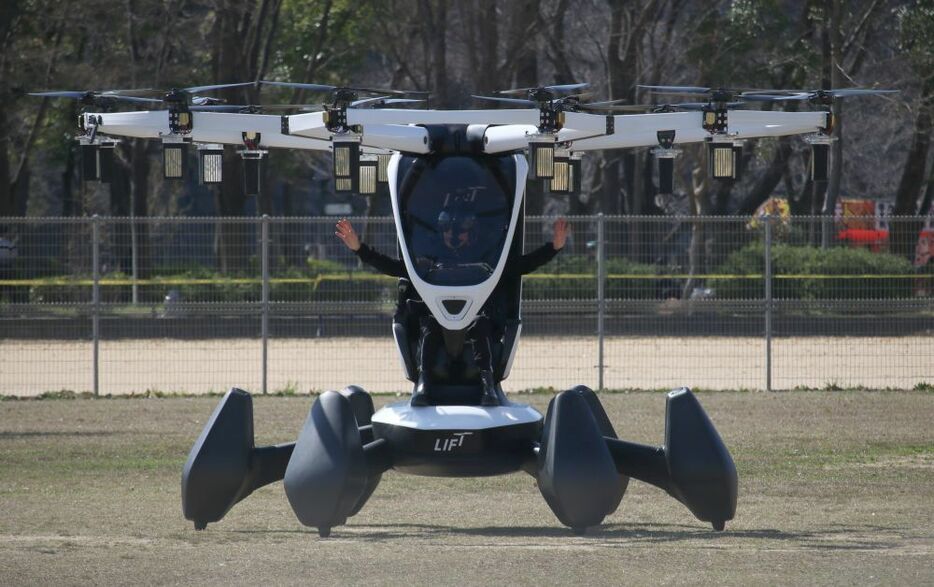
x,y
632,362
835,488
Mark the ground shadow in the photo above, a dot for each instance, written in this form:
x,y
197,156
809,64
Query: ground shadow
x,y
41,433
828,539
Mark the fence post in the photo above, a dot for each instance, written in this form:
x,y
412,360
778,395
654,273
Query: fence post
x,y
601,297
264,251
134,251
96,299
768,302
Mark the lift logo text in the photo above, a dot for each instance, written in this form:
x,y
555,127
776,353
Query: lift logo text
x,y
454,441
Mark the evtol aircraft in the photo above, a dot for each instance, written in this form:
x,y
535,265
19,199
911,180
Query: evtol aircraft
x,y
463,162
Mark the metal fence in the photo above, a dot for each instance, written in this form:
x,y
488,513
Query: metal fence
x,y
120,305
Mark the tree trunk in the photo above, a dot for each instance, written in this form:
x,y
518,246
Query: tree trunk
x,y
485,24
6,192
904,234
836,81
120,202
699,195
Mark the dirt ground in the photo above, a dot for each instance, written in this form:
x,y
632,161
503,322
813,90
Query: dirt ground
x,y
835,488
714,362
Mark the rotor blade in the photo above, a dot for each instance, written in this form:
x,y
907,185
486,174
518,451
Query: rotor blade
x,y
554,88
520,101
312,87
772,98
676,89
366,101
402,101
701,105
606,107
129,98
199,89
634,107
206,100
568,87
382,100
246,108
62,94
770,95
514,91
860,92
605,102
75,95
759,97
232,108
386,91
129,91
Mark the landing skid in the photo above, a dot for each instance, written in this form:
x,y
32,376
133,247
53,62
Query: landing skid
x,y
581,466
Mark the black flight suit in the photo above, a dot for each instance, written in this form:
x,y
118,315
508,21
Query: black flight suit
x,y
481,330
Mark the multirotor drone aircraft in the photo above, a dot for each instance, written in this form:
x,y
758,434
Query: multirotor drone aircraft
x,y
481,159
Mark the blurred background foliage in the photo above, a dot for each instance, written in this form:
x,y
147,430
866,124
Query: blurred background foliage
x,y
454,49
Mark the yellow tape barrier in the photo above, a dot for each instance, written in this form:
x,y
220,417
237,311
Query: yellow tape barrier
x,y
318,279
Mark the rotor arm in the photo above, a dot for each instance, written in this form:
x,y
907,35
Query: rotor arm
x,y
744,124
365,116
144,125
396,137
207,127
511,137
227,128
641,130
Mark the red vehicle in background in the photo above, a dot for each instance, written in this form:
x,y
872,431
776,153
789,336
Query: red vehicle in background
x,y
865,223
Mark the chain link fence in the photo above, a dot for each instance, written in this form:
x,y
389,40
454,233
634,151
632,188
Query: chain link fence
x,y
120,305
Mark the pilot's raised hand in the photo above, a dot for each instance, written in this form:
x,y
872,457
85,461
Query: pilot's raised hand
x,y
346,233
560,233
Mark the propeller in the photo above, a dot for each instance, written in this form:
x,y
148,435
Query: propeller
x,y
718,95
815,96
569,103
503,100
767,95
173,96
188,95
379,101
375,102
553,88
702,105
92,97
249,108
338,89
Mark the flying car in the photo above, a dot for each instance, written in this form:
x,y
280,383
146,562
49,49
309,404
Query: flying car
x,y
486,157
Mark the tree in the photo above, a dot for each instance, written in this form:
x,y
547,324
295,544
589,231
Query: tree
x,y
916,40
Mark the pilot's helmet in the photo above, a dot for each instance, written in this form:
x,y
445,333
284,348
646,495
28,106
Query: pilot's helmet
x,y
457,228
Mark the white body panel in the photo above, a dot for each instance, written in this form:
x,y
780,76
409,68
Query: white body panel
x,y
512,352
207,127
474,295
393,130
144,125
309,125
455,417
409,139
400,116
512,137
640,130
759,123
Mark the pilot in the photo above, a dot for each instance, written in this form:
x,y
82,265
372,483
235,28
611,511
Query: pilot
x,y
457,229
457,233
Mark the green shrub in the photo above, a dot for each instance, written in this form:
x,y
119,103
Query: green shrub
x,y
789,261
575,278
